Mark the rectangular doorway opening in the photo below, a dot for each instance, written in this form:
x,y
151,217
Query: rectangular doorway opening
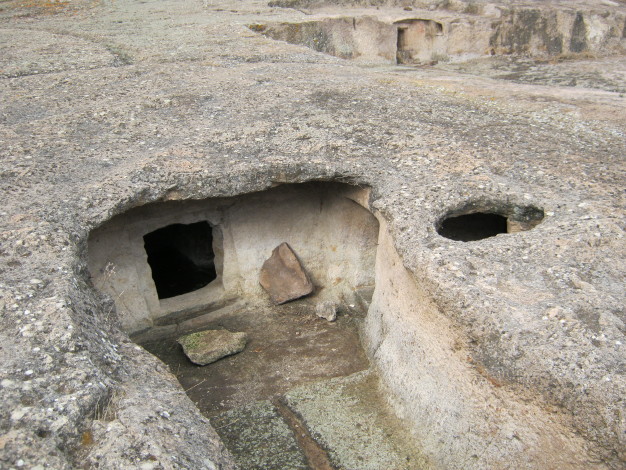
x,y
403,53
181,258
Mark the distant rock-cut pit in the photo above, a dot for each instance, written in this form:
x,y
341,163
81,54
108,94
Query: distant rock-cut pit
x,y
401,37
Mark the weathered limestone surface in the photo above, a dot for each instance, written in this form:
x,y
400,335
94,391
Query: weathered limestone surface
x,y
283,277
106,106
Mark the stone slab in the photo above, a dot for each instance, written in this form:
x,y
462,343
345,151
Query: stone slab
x,y
208,346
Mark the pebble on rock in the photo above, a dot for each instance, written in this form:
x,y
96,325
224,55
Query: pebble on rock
x,y
327,310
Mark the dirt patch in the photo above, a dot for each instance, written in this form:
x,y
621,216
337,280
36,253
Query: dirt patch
x,y
288,346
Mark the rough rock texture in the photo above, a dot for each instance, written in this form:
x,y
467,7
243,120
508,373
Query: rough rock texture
x,y
261,438
205,347
283,277
180,100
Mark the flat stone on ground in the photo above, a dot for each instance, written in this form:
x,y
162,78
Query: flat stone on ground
x,y
208,346
283,277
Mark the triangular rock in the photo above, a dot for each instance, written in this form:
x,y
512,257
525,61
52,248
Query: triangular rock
x,y
283,277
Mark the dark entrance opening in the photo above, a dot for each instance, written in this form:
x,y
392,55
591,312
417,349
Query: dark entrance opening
x,y
181,258
403,55
471,227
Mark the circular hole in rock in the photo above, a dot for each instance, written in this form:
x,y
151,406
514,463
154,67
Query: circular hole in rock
x,y
474,222
471,227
